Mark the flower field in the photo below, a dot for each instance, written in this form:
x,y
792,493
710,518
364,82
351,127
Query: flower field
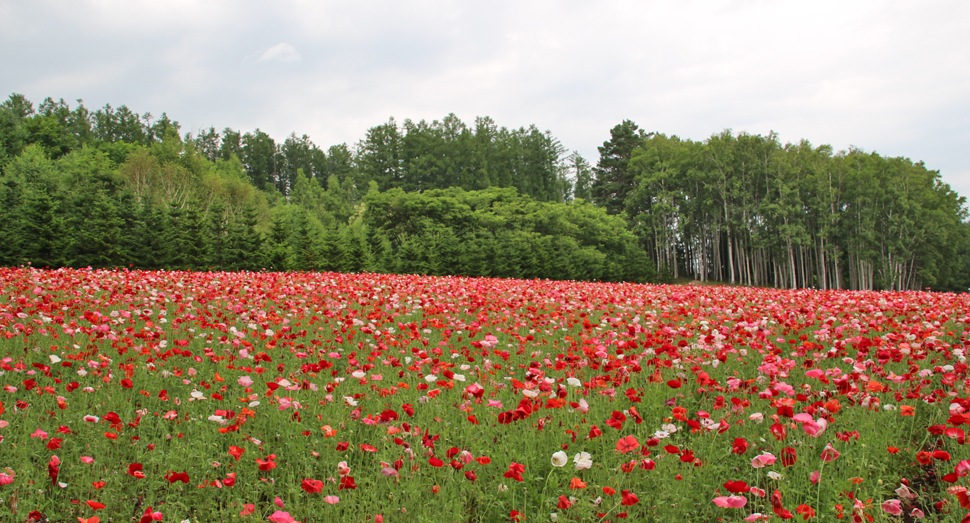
x,y
253,397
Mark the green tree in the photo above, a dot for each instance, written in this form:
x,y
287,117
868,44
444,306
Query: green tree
x,y
613,177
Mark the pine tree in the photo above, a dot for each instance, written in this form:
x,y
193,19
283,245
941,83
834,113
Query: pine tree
x,y
331,254
43,227
97,232
613,177
245,250
355,255
218,232
277,245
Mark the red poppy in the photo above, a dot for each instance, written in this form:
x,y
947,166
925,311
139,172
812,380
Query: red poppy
x,y
737,487
172,477
778,431
788,457
470,475
629,498
347,482
53,468
236,452
627,444
777,507
808,511
342,446
435,462
740,446
135,469
267,464
95,505
515,472
563,503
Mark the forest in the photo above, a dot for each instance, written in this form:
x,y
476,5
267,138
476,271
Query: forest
x,y
113,188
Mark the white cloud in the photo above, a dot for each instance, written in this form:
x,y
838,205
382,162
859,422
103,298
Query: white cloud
x,y
282,52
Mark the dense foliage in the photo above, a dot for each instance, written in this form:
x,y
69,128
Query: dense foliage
x,y
109,188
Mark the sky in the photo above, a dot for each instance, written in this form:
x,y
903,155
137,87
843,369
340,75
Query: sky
x,y
886,76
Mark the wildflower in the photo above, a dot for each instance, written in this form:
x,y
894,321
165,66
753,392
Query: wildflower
x,y
515,472
559,459
761,460
311,486
730,501
281,517
576,484
629,498
627,444
829,454
892,506
583,460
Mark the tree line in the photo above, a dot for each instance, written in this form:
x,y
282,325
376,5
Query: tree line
x,y
746,209
112,188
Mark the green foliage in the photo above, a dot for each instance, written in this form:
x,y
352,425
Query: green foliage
x,y
111,187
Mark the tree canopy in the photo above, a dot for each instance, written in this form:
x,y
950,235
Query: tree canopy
x,y
114,188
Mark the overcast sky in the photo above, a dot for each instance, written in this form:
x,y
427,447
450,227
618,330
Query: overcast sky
x,y
885,76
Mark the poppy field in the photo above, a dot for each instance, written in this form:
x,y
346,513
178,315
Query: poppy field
x,y
312,397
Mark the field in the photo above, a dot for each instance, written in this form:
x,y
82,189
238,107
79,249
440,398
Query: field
x,y
250,397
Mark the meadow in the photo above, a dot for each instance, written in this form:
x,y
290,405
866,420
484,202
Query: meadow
x,y
312,397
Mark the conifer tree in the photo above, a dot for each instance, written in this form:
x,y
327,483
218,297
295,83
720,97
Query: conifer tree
x,y
331,253
96,225
355,255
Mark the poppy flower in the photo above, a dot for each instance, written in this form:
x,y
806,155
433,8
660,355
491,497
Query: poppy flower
x,y
583,460
730,501
53,469
95,505
737,487
788,457
236,452
515,472
576,484
333,500
627,444
150,516
807,511
559,459
311,486
629,498
777,507
563,503
892,506
740,446
347,482
281,517
829,454
763,459
172,477
266,464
